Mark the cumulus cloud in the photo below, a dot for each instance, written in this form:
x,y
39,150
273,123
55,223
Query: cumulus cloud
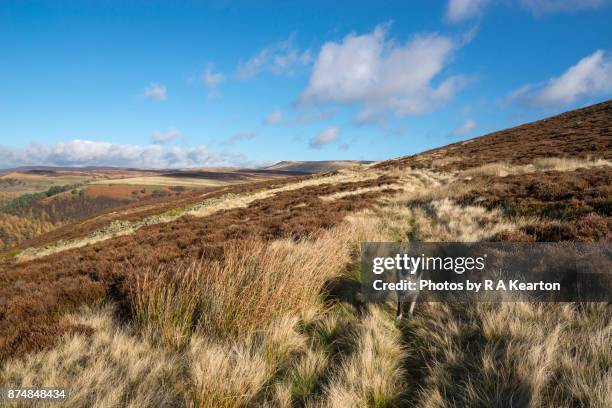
x,y
92,153
155,91
591,76
274,118
279,58
327,136
465,128
382,75
165,137
236,137
460,10
539,7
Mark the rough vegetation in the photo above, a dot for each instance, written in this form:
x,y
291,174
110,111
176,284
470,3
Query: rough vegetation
x,y
570,205
580,133
249,295
32,214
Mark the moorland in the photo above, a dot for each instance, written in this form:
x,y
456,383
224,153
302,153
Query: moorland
x,y
148,289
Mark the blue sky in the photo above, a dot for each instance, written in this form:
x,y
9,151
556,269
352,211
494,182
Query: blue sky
x,y
158,84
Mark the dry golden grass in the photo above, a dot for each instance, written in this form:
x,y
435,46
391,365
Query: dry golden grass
x,y
263,326
431,220
511,354
33,253
260,283
110,368
494,169
307,373
167,302
226,375
336,196
115,367
255,285
442,220
373,375
444,160
568,163
243,200
502,169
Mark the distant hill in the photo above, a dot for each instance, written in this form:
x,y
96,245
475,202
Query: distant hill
x,y
321,166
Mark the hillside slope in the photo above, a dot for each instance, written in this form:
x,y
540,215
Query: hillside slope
x,y
253,288
311,167
581,133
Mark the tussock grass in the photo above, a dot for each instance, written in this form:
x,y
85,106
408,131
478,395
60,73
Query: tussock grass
x,y
445,161
443,220
373,375
110,368
519,354
166,302
255,285
335,196
281,342
568,163
226,375
437,220
260,283
307,373
119,366
502,169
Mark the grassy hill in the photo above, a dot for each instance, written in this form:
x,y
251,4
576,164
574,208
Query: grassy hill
x,y
248,294
322,166
31,204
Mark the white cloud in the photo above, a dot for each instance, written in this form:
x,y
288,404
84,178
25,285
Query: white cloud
x,y
212,78
467,127
165,137
247,135
539,7
279,58
381,75
460,10
274,118
517,95
155,91
327,136
93,153
591,76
